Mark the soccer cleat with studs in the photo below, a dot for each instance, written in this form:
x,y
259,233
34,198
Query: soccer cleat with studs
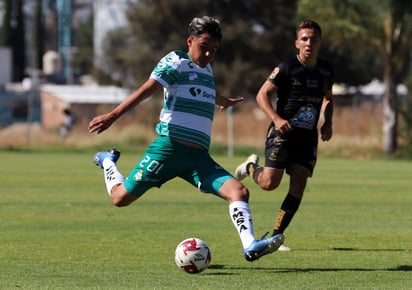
x,y
243,169
112,154
263,247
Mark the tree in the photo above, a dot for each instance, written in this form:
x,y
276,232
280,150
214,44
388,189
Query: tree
x,y
5,27
350,40
407,116
397,45
371,28
12,35
83,41
17,41
38,48
257,34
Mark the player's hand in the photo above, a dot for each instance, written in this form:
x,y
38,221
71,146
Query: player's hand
x,y
283,126
100,123
326,132
228,102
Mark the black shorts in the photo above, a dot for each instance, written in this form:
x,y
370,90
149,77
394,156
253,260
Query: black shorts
x,y
299,146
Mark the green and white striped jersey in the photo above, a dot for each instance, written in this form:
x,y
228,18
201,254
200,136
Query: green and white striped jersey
x,y
189,98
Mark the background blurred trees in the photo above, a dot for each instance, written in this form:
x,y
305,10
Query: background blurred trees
x,y
83,41
371,38
257,34
363,39
350,39
12,35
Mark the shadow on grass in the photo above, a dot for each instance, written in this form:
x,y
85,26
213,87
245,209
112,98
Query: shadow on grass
x,y
400,268
361,250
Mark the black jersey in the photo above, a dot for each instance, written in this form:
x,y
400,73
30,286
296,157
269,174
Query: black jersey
x,y
301,90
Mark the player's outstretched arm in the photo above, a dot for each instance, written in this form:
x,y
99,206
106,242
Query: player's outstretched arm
x,y
227,102
102,122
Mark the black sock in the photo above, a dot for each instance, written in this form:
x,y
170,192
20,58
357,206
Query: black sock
x,y
288,209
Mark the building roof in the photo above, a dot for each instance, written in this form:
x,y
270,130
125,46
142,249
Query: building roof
x,y
87,94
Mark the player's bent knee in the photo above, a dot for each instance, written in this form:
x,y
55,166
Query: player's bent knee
x,y
119,203
123,201
122,198
241,194
268,185
233,190
244,194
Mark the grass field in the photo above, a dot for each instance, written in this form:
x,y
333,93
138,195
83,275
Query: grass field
x,y
58,229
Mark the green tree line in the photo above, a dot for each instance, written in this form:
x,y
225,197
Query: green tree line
x,y
12,35
363,40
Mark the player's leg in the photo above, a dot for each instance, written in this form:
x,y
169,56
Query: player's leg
x,y
268,178
291,203
155,167
235,193
237,196
212,178
300,169
276,157
298,179
113,178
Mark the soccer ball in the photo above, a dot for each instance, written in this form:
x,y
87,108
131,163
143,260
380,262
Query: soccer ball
x,y
193,255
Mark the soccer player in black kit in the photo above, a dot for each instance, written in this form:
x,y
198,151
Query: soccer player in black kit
x,y
304,95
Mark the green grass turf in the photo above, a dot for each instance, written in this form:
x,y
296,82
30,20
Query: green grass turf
x,y
58,229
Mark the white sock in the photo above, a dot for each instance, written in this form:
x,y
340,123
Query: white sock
x,y
112,175
242,219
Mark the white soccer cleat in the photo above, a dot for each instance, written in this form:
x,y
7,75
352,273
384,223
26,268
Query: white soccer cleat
x,y
242,170
283,248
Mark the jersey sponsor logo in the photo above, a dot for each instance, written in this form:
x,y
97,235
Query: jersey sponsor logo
x,y
297,70
191,64
296,82
312,83
197,92
274,73
138,176
304,118
313,99
274,153
239,219
193,76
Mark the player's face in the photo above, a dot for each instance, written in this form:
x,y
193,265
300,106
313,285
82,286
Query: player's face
x,y
202,49
308,43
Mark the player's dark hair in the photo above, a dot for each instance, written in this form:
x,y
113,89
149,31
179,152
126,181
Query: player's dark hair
x,y
309,24
205,24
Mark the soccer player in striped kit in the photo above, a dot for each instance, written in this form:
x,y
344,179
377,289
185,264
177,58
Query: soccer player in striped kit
x,y
182,147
